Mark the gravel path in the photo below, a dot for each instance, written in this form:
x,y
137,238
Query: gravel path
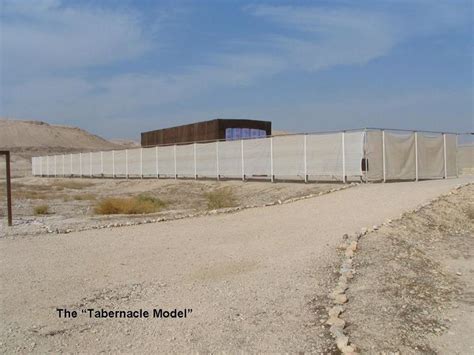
x,y
253,278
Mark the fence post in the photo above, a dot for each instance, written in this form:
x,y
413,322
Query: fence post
x,y
195,161
416,156
272,177
243,161
444,155
156,159
141,163
175,167
305,157
343,156
80,164
70,163
113,164
55,166
102,164
126,163
383,156
217,160
90,164
457,166
64,172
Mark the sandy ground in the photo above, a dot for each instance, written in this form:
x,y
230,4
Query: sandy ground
x,y
255,280
414,288
71,201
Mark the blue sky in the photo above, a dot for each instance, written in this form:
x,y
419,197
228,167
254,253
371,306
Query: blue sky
x,y
117,68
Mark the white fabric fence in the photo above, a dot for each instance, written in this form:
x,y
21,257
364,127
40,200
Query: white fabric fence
x,y
332,156
384,155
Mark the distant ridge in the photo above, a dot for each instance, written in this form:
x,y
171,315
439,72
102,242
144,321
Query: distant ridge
x,y
28,138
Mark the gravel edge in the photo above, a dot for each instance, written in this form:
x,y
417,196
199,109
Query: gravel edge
x,y
346,271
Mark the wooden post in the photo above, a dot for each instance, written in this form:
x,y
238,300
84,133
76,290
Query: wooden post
x,y
9,187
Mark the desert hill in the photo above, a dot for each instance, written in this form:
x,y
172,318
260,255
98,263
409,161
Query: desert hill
x,y
26,139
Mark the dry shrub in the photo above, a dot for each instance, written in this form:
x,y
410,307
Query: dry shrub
x,y
220,198
141,204
470,212
41,210
84,197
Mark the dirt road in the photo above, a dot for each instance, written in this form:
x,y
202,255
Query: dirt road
x,y
254,280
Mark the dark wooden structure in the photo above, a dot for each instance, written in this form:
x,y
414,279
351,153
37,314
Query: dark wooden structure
x,y
201,131
6,153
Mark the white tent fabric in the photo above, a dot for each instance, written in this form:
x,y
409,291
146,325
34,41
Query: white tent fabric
x,y
393,155
166,166
400,158
230,159
149,156
430,156
185,160
288,156
324,156
206,159
108,163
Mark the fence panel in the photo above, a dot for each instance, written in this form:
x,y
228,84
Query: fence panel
x,y
96,164
400,156
185,160
288,157
324,156
451,155
166,161
257,159
354,153
230,159
430,156
149,162
76,165
120,163
134,162
206,156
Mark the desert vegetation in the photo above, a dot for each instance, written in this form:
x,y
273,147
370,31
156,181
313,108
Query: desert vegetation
x,y
141,204
220,198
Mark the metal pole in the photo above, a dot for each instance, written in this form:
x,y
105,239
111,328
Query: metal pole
x,y
141,163
102,163
272,178
217,160
175,167
242,154
383,156
80,164
195,162
47,165
9,189
156,158
90,164
416,156
113,164
343,157
457,167
444,154
64,169
70,161
126,163
305,159
55,166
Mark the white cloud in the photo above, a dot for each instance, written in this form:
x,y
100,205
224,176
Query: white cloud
x,y
44,37
47,47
